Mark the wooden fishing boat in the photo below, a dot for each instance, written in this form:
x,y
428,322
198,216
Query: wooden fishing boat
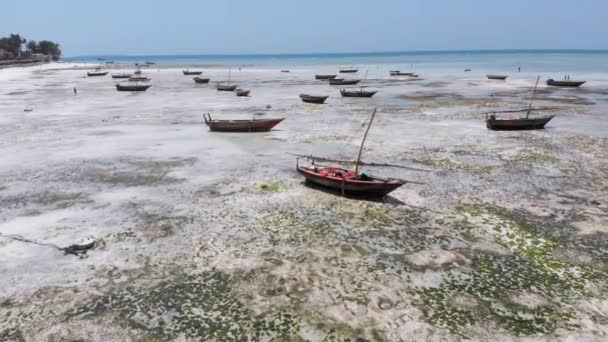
x,y
342,81
285,71
137,72
191,73
345,181
253,125
467,70
325,77
497,77
138,79
201,80
348,70
97,73
313,99
132,87
513,124
122,75
399,73
225,87
565,83
521,123
357,93
242,92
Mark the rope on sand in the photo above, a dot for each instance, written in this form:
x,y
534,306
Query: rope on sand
x,y
78,249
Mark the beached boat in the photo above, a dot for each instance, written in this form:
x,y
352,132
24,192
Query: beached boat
x,y
399,73
512,124
285,71
97,73
325,77
150,63
137,72
357,93
122,75
138,79
467,70
132,87
565,83
313,99
201,80
242,92
191,73
521,123
347,182
348,70
253,125
497,77
225,87
342,81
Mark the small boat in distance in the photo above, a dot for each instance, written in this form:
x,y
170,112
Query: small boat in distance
x,y
242,92
138,79
132,87
123,75
522,123
226,87
191,73
348,182
150,63
349,70
467,70
313,99
497,77
253,125
201,80
97,73
399,73
285,71
341,81
565,83
357,93
325,77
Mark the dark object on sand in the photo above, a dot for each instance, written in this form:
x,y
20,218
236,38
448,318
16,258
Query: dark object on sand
x,y
121,75
399,73
467,70
191,73
325,77
522,123
132,87
138,79
313,99
357,93
348,70
341,81
565,83
346,181
497,77
201,80
285,71
253,125
242,92
225,87
97,73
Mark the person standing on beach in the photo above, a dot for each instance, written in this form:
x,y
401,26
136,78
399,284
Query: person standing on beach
x,y
75,91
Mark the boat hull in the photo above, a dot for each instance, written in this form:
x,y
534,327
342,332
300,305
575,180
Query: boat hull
x,y
571,84
96,74
226,88
518,124
313,99
496,77
243,93
372,188
346,93
192,73
132,87
349,71
243,126
122,76
399,73
325,77
201,80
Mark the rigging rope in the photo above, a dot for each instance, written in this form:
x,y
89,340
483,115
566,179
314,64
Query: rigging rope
x,y
78,249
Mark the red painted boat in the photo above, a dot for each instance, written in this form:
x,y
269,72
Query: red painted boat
x,y
565,83
253,125
517,124
347,182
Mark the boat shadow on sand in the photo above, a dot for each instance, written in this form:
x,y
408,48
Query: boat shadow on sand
x,y
386,199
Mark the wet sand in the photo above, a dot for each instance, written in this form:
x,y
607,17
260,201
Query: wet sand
x,y
213,236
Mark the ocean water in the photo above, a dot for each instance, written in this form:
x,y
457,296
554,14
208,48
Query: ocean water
x,y
539,61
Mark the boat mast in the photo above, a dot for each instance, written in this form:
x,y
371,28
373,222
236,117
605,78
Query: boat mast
x,y
229,72
363,142
533,96
364,78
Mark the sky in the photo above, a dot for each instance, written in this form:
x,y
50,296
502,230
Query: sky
x,y
154,27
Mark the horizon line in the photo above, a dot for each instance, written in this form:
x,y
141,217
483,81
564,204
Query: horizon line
x,y
345,53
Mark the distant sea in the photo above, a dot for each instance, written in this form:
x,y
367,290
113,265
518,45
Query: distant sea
x,y
559,61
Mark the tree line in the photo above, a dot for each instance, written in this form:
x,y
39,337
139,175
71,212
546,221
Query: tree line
x,y
11,47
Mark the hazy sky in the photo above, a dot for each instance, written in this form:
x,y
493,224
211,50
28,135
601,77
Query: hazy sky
x,y
90,27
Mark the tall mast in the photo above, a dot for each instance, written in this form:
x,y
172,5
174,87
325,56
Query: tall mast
x,y
533,96
366,71
229,71
363,142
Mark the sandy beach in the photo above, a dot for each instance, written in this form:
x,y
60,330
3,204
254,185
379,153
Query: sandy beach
x,y
205,236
